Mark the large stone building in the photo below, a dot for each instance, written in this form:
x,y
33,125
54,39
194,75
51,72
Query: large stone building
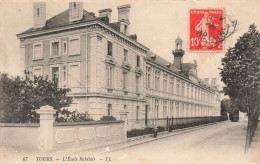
x,y
109,71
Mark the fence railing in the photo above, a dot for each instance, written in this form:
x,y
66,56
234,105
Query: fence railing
x,y
175,123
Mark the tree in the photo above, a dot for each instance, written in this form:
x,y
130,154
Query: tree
x,y
20,97
240,73
225,107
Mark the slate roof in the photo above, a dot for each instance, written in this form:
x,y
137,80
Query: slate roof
x,y
62,19
163,63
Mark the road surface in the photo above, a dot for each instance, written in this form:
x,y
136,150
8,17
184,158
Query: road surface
x,y
221,144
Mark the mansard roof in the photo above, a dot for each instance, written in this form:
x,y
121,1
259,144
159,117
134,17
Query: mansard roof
x,y
162,62
150,56
61,20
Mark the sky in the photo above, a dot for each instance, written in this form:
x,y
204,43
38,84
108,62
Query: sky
x,y
157,24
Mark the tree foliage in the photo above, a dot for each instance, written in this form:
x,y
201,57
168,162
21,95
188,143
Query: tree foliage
x,y
20,97
240,72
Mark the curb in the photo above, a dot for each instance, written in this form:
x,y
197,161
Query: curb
x,y
160,136
172,133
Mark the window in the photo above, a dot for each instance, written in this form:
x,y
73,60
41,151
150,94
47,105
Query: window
x,y
125,107
124,81
125,55
164,109
64,74
157,80
74,75
191,91
64,49
109,48
55,74
109,76
137,113
137,84
171,108
38,11
125,29
74,45
188,90
156,109
37,71
55,48
195,93
183,89
165,80
199,96
187,111
137,61
172,85
37,51
177,110
109,108
148,77
182,109
178,87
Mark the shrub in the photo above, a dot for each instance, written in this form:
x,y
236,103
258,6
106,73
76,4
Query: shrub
x,y
161,129
67,116
107,118
139,132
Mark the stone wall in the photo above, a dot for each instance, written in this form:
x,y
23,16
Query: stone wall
x,y
51,136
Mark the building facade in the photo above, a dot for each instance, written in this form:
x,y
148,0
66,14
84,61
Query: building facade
x,y
109,71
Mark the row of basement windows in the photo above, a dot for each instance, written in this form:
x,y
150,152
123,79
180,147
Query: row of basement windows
x,y
62,75
57,48
110,53
137,112
191,110
191,91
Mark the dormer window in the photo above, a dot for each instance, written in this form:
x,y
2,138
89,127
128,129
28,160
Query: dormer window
x,y
125,29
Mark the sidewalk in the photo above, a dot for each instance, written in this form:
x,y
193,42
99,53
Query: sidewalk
x,y
142,139
254,151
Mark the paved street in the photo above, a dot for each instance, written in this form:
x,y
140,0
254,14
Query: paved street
x,y
221,143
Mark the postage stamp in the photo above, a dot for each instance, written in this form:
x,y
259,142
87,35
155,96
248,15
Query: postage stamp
x,y
206,30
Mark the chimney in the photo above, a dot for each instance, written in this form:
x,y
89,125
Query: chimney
x,y
178,54
105,13
214,81
124,18
39,14
75,11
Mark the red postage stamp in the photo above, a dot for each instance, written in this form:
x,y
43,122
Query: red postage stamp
x,y
206,29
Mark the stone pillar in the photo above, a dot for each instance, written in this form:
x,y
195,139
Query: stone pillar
x,y
123,116
46,127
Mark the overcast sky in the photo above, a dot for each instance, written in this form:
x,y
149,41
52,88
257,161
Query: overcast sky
x,y
156,23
